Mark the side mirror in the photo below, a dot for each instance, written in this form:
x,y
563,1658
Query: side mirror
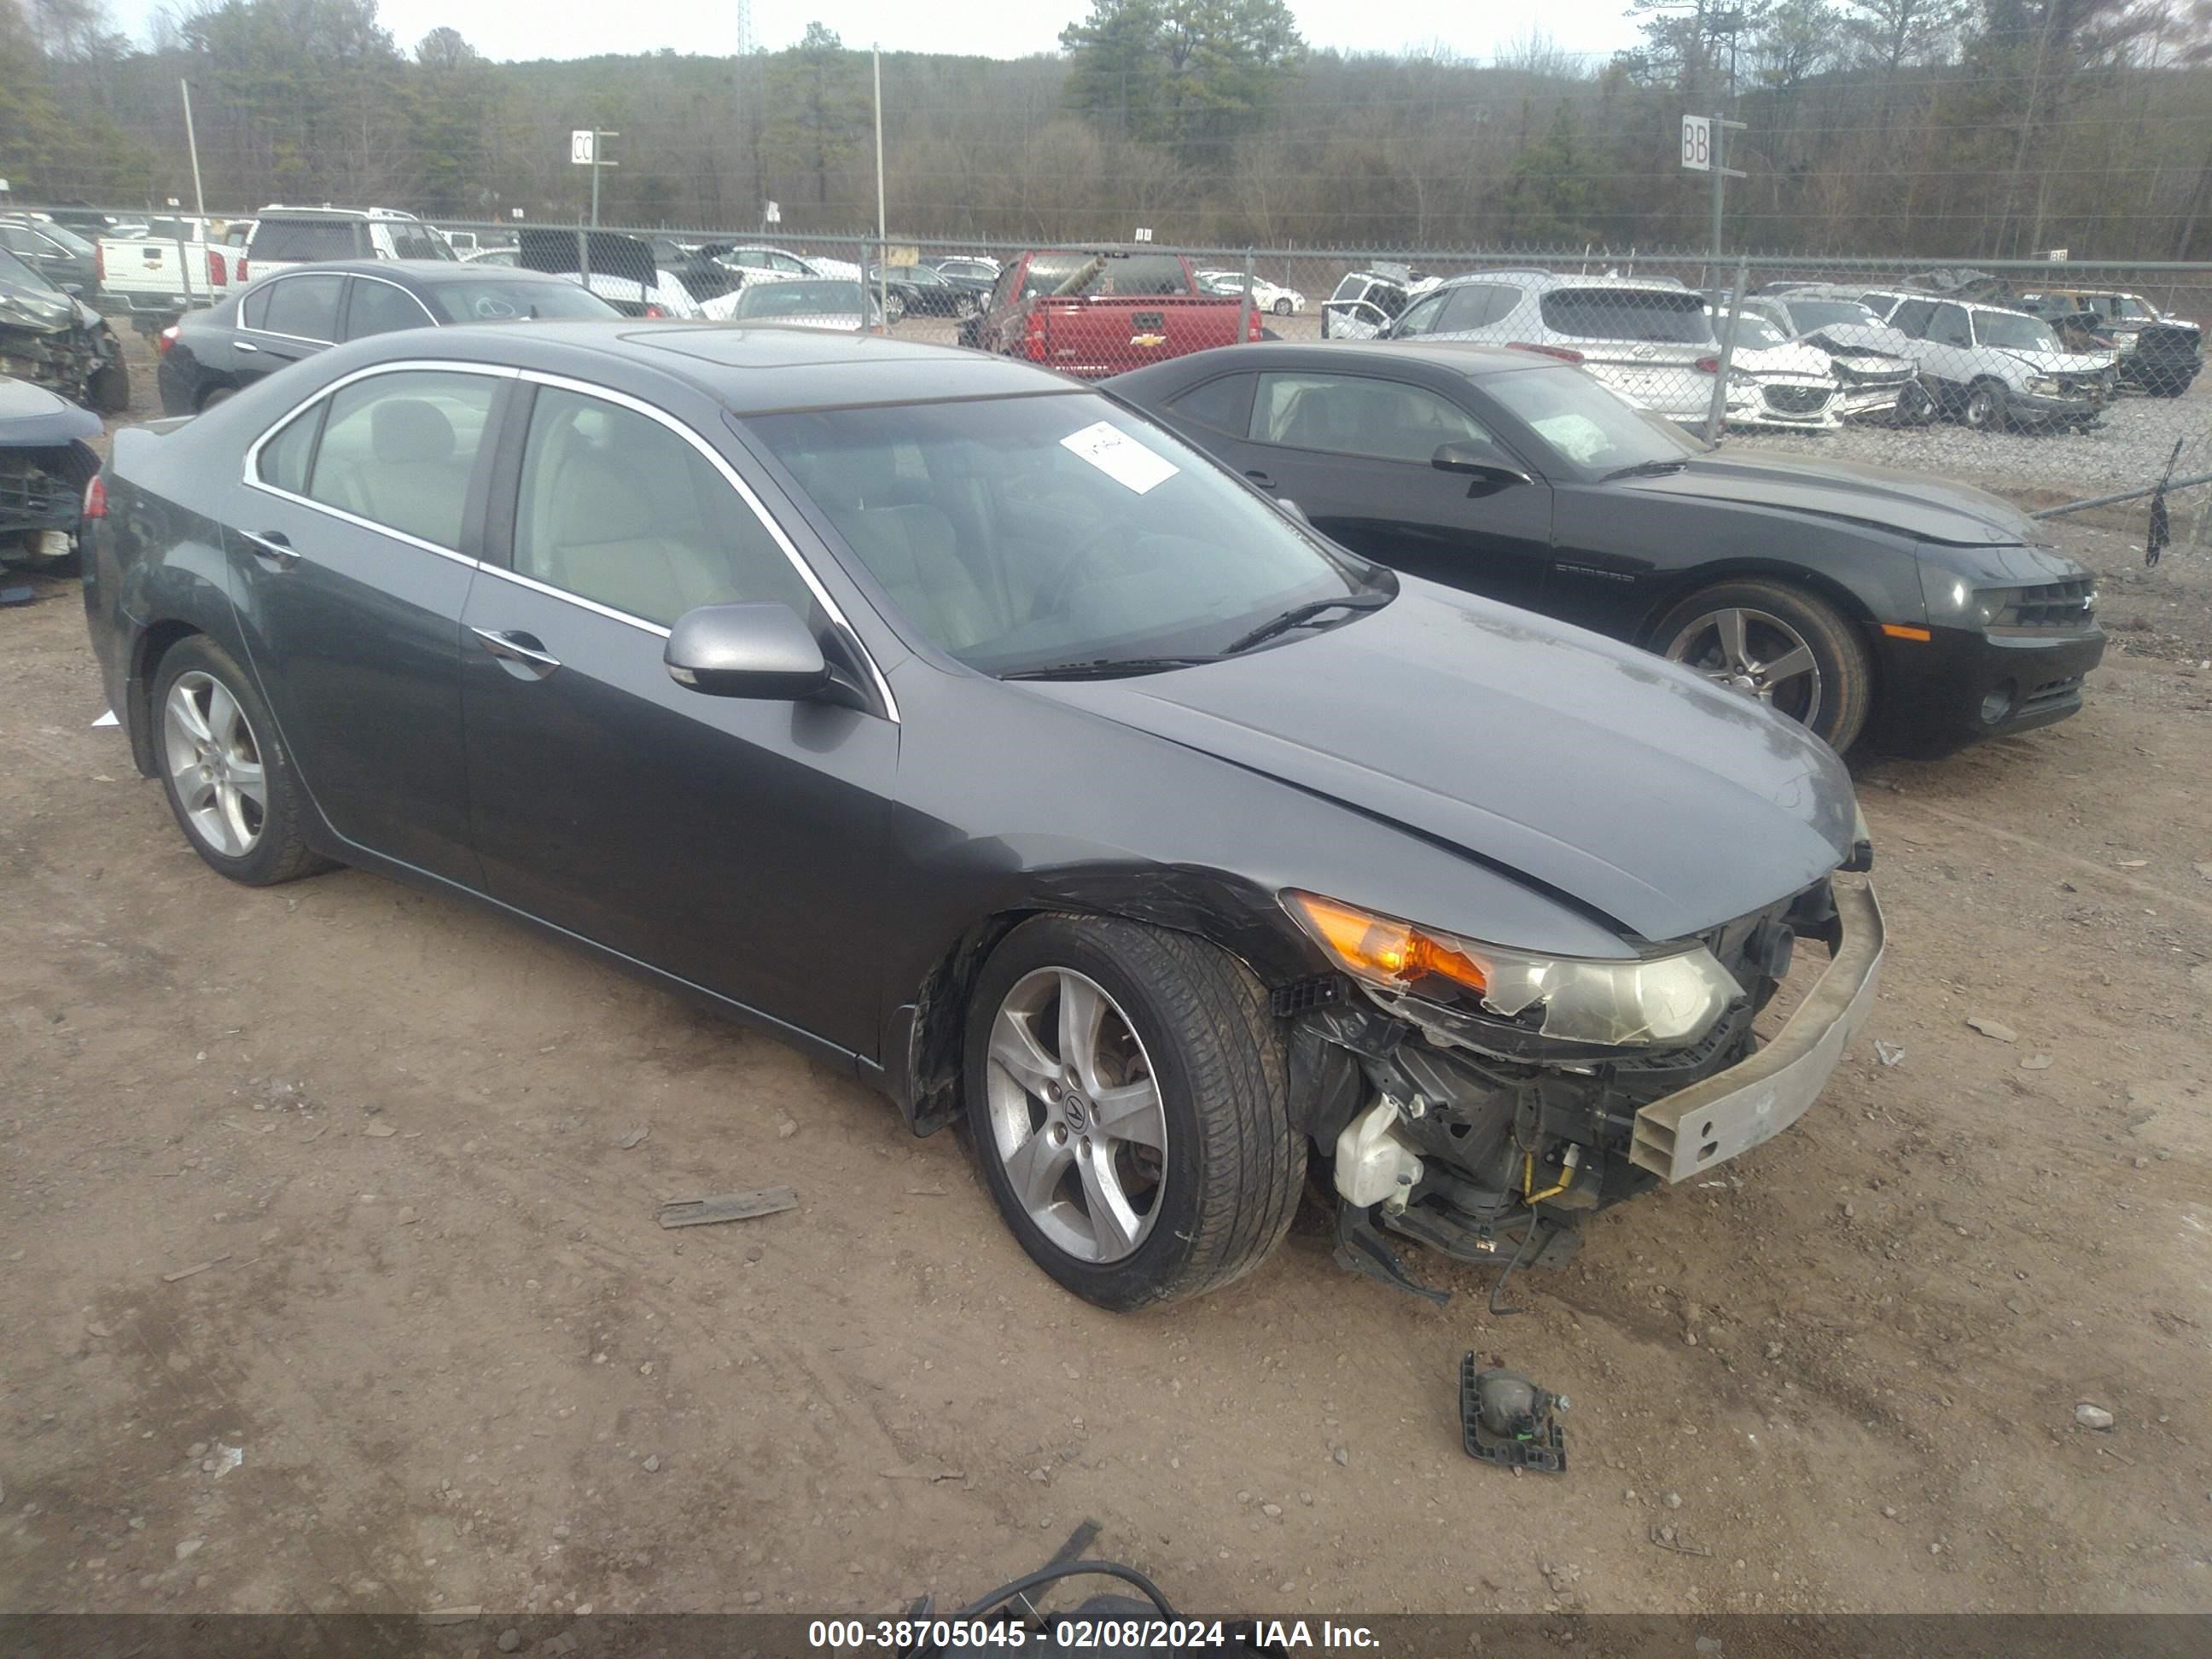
x,y
761,651
1475,463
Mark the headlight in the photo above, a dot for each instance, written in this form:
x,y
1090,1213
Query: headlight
x,y
1659,1001
2046,388
1954,603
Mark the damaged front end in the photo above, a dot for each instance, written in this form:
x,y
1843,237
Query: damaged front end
x,y
1484,1103
44,466
60,345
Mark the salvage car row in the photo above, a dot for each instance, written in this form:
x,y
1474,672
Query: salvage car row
x,y
1801,355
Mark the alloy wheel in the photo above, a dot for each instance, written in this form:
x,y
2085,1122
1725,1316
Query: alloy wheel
x,y
1981,409
214,764
1756,652
1075,1114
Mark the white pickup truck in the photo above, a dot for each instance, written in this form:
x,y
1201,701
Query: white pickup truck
x,y
156,277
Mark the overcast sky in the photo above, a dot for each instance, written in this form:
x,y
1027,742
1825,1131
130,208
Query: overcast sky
x,y
1002,28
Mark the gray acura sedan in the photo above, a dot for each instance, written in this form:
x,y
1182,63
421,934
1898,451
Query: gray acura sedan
x,y
983,740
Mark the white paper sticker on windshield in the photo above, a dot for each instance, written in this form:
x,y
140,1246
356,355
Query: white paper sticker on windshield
x,y
1121,457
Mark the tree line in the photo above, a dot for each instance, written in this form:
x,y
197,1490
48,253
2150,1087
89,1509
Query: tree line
x,y
1937,128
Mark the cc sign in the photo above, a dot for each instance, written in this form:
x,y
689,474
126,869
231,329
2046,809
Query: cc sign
x,y
1698,142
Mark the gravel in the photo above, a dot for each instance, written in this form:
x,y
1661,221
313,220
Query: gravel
x,y
2127,448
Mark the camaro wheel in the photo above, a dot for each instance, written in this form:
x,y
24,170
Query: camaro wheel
x,y
1127,1092
1984,408
228,781
1791,650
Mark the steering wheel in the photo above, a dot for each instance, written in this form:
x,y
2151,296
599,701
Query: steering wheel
x,y
1053,592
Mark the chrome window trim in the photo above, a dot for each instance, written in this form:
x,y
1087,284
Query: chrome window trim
x,y
253,480
244,327
729,476
553,592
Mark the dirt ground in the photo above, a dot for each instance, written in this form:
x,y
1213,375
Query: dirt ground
x,y
345,1178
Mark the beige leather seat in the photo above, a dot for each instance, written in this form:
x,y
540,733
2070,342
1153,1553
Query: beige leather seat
x,y
604,537
910,548
413,482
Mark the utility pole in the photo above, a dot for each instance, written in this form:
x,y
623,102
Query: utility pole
x,y
882,250
193,143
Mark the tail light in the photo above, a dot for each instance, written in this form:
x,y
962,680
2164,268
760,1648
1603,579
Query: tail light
x,y
95,497
164,340
1253,334
99,263
1707,365
218,272
1033,346
241,267
653,310
1565,354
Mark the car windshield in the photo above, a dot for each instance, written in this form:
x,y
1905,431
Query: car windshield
x,y
1753,332
1145,274
14,271
811,298
1028,533
1587,426
1809,315
507,300
2015,330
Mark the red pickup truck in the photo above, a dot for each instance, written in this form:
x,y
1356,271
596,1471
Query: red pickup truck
x,y
1097,311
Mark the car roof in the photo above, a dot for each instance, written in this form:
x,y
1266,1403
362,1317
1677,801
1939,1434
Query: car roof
x,y
425,273
1468,358
326,212
1521,274
749,368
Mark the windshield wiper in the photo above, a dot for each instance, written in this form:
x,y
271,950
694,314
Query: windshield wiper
x,y
1298,614
1658,469
1104,668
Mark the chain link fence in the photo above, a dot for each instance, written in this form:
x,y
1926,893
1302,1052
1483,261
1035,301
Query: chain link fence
x,y
2078,373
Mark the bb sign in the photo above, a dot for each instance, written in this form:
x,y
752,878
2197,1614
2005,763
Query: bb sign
x,y
1698,142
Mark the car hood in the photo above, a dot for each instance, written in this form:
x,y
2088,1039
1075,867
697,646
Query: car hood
x,y
33,417
1872,339
40,308
1800,360
1926,508
2059,363
1622,783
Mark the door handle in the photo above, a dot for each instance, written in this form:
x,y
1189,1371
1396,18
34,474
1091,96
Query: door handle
x,y
246,345
1261,479
523,655
273,548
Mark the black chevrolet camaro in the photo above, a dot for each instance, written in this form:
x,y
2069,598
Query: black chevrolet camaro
x,y
989,743
1920,613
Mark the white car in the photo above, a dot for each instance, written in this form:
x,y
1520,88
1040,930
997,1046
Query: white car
x,y
836,303
1773,382
757,262
1268,296
1366,303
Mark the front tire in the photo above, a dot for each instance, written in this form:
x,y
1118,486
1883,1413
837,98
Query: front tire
x,y
1790,649
1984,408
228,780
1127,1094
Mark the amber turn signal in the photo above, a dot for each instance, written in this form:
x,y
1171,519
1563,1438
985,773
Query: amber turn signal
x,y
1378,948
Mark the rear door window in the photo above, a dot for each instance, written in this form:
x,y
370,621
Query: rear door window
x,y
1359,415
1610,313
305,308
399,449
1225,404
380,308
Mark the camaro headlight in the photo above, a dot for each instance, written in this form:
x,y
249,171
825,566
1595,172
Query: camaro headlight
x,y
1657,1001
1952,602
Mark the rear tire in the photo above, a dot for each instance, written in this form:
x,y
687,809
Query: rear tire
x,y
1776,621
1282,307
215,744
1121,1223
